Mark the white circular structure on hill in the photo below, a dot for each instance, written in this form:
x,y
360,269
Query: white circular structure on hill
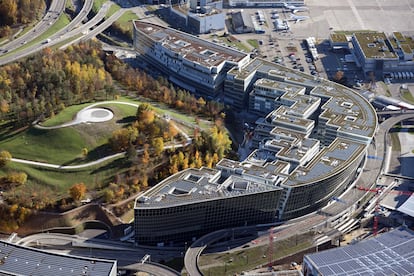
x,y
94,115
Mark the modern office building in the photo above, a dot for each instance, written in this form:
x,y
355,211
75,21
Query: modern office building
x,y
391,253
21,260
195,202
309,141
192,63
383,56
200,20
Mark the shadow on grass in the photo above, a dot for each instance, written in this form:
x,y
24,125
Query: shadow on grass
x,y
115,164
127,120
8,130
93,155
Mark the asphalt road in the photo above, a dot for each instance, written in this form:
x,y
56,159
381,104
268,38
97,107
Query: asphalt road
x,y
127,257
55,10
54,39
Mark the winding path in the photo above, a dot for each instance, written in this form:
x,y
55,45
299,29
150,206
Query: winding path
x,y
103,159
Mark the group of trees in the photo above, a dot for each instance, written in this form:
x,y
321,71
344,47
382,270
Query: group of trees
x,y
146,129
19,12
206,150
47,82
161,90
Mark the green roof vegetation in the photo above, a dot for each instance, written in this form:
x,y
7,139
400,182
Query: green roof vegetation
x,y
339,37
406,48
399,36
373,44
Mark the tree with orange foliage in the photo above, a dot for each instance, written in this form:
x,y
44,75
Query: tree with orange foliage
x,y
77,191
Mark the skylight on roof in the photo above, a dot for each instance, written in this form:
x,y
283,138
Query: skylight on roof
x,y
182,43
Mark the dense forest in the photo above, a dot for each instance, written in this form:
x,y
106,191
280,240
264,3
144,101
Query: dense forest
x,y
45,83
17,12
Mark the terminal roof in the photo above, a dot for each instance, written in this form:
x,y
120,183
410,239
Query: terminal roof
x,y
190,47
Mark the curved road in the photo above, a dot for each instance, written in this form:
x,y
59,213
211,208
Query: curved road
x,y
195,250
65,33
55,10
127,257
103,159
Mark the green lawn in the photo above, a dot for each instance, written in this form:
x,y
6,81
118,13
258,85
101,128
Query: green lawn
x,y
69,6
239,45
254,43
127,17
53,146
65,115
58,182
407,96
64,145
69,113
97,4
125,21
113,9
395,141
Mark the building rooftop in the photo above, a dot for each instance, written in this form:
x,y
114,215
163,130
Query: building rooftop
x,y
391,253
347,110
327,162
283,116
275,72
242,19
196,50
197,185
338,38
20,260
373,45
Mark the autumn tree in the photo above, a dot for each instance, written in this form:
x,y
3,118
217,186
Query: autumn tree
x,y
84,152
172,129
8,12
5,157
4,106
340,78
17,177
220,142
77,191
122,138
145,113
131,153
145,158
158,145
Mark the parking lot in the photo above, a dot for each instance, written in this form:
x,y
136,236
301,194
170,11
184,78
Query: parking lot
x,y
325,17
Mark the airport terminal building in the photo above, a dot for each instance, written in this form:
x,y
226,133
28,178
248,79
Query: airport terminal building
x,y
195,202
192,63
309,141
